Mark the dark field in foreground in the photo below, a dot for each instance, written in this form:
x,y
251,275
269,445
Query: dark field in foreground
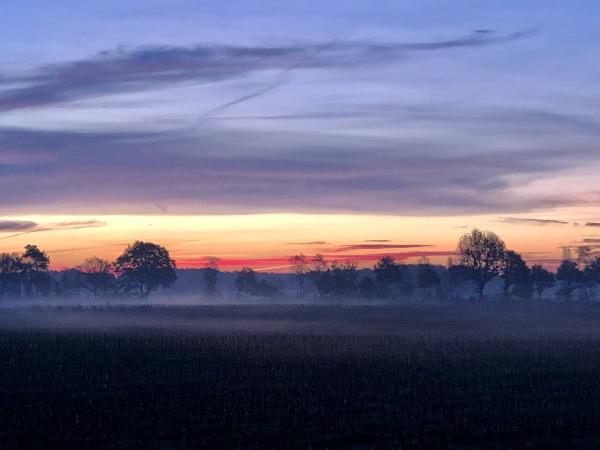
x,y
388,377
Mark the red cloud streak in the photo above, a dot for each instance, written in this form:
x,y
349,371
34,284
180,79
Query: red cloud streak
x,y
231,263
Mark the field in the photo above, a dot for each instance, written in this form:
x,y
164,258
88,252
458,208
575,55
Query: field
x,y
268,377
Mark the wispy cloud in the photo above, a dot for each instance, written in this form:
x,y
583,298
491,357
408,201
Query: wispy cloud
x,y
7,226
529,221
27,227
592,224
354,247
378,240
134,69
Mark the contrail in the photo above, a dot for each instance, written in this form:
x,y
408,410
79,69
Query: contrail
x,y
273,267
244,98
19,234
272,86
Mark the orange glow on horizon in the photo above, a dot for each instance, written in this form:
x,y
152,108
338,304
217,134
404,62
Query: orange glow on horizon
x,y
266,241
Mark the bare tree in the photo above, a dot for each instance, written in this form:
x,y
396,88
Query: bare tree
x,y
567,255
299,264
319,264
98,274
584,254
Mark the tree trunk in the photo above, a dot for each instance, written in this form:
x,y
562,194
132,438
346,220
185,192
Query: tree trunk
x,y
480,289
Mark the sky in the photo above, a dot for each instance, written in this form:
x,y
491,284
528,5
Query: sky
x,y
252,130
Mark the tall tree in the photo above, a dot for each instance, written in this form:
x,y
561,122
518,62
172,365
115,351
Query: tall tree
x,y
584,254
339,280
591,275
387,274
299,263
516,275
98,275
483,253
148,265
11,266
35,266
210,274
542,279
570,277
246,281
427,279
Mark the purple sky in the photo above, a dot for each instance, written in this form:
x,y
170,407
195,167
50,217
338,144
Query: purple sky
x,y
401,107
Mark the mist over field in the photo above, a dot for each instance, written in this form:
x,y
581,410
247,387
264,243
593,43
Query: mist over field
x,y
410,321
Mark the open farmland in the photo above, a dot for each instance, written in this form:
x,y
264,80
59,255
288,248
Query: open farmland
x,y
300,377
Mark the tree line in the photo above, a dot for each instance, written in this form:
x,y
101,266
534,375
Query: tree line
x,y
140,269
481,256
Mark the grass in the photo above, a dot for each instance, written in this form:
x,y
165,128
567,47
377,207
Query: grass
x,y
438,379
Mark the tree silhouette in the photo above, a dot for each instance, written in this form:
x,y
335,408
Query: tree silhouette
x,y
483,253
457,274
339,280
11,266
584,254
35,265
516,275
247,283
147,265
387,274
210,274
299,263
570,277
427,279
98,275
591,275
542,279
318,263
265,289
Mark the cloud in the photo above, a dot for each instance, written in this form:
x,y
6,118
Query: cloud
x,y
142,68
592,224
378,240
353,247
528,221
235,171
16,225
32,227
72,225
